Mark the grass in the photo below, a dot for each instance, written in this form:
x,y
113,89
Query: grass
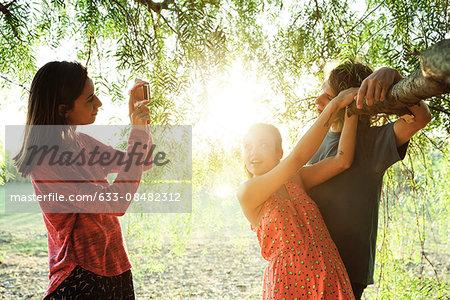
x,y
23,233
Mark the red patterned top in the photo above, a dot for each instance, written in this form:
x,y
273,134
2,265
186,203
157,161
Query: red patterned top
x,y
91,240
303,260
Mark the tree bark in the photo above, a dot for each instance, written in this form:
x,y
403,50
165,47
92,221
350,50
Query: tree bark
x,y
432,79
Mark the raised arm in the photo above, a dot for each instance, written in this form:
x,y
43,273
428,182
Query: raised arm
x,y
404,130
114,199
139,115
72,180
253,193
323,170
375,87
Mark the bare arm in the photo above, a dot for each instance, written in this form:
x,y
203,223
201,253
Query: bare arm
x,y
253,193
325,169
375,87
404,130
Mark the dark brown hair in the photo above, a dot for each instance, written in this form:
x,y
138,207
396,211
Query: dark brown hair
x,y
274,133
347,75
56,83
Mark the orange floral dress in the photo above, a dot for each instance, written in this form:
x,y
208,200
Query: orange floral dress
x,y
304,262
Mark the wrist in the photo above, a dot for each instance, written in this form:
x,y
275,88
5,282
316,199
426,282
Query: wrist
x,y
335,104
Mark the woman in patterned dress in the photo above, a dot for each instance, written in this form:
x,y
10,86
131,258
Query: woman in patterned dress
x,y
303,260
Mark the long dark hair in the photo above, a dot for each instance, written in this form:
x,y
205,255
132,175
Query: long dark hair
x,y
54,89
274,132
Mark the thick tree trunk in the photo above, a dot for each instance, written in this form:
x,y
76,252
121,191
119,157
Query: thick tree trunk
x,y
432,79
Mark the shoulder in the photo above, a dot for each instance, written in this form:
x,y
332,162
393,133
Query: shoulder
x,y
373,133
327,147
378,146
89,142
81,135
85,137
375,130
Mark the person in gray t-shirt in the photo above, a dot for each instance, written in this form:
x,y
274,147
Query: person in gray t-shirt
x,y
349,201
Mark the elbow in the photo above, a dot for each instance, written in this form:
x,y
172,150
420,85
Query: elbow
x,y
421,122
422,117
345,164
147,167
118,214
425,120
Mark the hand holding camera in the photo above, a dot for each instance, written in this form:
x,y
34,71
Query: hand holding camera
x,y
139,98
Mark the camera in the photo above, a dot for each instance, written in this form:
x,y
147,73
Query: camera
x,y
147,95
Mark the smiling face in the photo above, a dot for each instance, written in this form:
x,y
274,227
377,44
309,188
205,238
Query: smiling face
x,y
85,107
325,98
261,153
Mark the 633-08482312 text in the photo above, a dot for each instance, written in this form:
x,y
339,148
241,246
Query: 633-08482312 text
x,y
138,197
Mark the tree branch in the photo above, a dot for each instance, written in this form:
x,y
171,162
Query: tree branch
x,y
361,20
156,7
167,23
10,18
19,84
430,80
124,12
89,51
446,8
432,142
371,36
439,109
435,62
7,5
432,266
317,14
154,26
415,53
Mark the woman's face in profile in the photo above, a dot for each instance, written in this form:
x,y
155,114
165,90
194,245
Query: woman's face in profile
x,y
260,154
85,107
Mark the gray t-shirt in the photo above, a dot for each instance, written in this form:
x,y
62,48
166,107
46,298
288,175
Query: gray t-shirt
x,y
349,201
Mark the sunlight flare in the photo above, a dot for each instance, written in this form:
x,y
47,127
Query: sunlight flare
x,y
235,104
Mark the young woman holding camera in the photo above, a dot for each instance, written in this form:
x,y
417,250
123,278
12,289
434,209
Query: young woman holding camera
x,y
87,256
